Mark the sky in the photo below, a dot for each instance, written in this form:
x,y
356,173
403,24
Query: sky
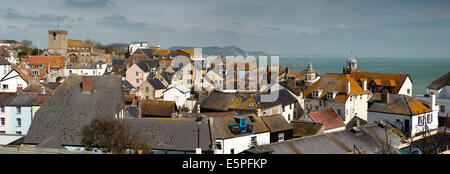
x,y
370,28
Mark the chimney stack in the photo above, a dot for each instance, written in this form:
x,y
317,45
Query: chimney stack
x,y
86,83
42,90
433,101
385,97
365,85
348,88
19,89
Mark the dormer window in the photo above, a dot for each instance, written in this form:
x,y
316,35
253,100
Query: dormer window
x,y
330,95
316,93
41,65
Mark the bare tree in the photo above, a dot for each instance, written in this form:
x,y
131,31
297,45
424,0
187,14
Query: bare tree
x,y
112,136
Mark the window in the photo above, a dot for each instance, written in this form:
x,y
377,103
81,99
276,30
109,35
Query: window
x,y
409,91
137,80
253,140
420,121
137,73
281,136
218,145
2,109
41,65
19,121
429,118
189,81
5,86
19,132
329,95
442,108
18,110
315,94
2,121
146,89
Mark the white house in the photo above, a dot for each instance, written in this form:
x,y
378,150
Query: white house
x,y
5,67
235,134
178,93
441,88
94,69
340,92
12,81
137,45
408,114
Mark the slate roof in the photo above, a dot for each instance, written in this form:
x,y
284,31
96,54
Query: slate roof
x,y
172,134
7,98
127,85
167,76
440,82
368,140
328,118
148,52
156,84
69,110
399,105
147,65
286,98
303,129
276,123
118,61
23,99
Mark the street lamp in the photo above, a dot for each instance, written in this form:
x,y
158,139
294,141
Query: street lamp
x,y
198,121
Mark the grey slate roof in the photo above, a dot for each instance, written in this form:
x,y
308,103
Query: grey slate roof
x,y
167,76
7,98
172,134
147,65
157,84
127,85
23,99
148,52
118,61
68,110
440,82
340,142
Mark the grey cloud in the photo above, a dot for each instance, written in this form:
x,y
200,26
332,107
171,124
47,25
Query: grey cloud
x,y
87,3
122,22
14,14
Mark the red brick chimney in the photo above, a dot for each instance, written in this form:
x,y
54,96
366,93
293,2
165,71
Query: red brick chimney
x,y
86,83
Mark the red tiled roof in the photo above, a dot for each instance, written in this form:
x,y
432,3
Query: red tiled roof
x,y
328,118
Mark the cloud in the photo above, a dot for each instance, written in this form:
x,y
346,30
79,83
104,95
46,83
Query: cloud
x,y
122,22
87,3
14,14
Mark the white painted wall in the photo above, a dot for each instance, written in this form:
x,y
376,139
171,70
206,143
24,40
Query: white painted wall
x,y
4,69
288,113
92,72
413,121
406,85
13,83
174,94
241,143
357,105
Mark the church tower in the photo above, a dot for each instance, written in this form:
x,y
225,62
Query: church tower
x,y
57,42
310,75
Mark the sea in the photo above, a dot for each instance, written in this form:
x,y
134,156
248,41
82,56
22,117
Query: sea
x,y
422,71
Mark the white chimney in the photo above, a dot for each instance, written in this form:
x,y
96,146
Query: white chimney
x,y
365,85
433,102
348,88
